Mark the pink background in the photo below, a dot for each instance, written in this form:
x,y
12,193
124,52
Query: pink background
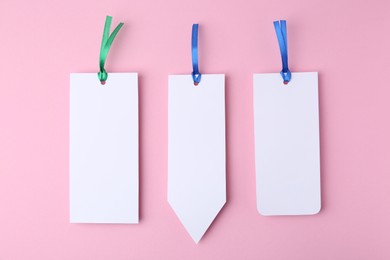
x,y
348,42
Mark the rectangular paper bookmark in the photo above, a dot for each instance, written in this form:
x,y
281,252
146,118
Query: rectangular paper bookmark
x,y
103,148
287,144
196,150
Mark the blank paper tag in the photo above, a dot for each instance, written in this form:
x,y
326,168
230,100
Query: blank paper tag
x,y
287,144
196,150
104,148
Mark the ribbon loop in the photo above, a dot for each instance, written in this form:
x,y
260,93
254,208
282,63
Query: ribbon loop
x,y
196,75
281,33
107,41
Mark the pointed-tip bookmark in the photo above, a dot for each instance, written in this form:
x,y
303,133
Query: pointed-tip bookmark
x,y
196,147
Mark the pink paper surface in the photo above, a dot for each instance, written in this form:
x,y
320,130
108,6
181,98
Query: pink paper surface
x,y
347,42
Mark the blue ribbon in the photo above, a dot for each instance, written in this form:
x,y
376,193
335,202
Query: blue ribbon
x,y
281,33
194,49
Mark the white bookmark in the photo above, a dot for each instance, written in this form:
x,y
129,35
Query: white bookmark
x,y
104,145
287,140
196,149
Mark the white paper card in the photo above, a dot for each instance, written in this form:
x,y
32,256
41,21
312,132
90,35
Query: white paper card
x,y
287,144
104,148
196,150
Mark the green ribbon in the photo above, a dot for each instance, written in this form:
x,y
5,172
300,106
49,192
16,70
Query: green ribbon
x,y
105,47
